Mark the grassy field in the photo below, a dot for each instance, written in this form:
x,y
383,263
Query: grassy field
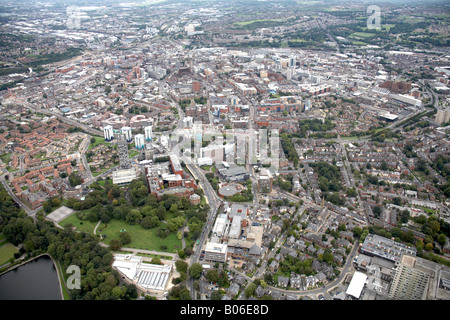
x,y
244,23
97,173
7,252
408,18
141,238
133,152
98,140
102,182
6,157
362,35
384,27
359,43
85,226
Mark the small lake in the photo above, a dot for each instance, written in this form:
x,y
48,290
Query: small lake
x,y
35,280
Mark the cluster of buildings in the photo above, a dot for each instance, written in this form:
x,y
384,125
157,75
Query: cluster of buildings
x,y
138,92
38,158
235,236
390,270
170,178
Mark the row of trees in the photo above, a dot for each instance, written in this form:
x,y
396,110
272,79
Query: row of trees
x,y
289,149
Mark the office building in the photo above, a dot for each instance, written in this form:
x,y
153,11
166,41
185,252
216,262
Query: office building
x,y
442,116
188,122
175,165
220,225
215,252
357,284
213,151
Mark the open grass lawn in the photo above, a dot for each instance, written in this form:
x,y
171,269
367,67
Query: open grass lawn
x,y
359,43
384,27
133,152
81,225
98,140
103,182
362,35
7,252
244,23
141,238
420,175
97,173
6,157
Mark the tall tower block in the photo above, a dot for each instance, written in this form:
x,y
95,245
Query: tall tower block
x,y
108,133
148,133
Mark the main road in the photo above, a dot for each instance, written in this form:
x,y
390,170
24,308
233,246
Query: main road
x,y
212,198
28,210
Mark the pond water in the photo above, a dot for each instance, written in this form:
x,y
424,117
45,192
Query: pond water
x,y
35,280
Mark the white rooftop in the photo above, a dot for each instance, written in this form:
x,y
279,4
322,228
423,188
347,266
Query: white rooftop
x,y
356,285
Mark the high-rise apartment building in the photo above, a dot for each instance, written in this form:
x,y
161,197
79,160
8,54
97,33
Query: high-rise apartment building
x,y
139,141
127,132
148,133
410,280
108,132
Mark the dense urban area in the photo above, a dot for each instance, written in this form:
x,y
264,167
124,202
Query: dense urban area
x,y
228,150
